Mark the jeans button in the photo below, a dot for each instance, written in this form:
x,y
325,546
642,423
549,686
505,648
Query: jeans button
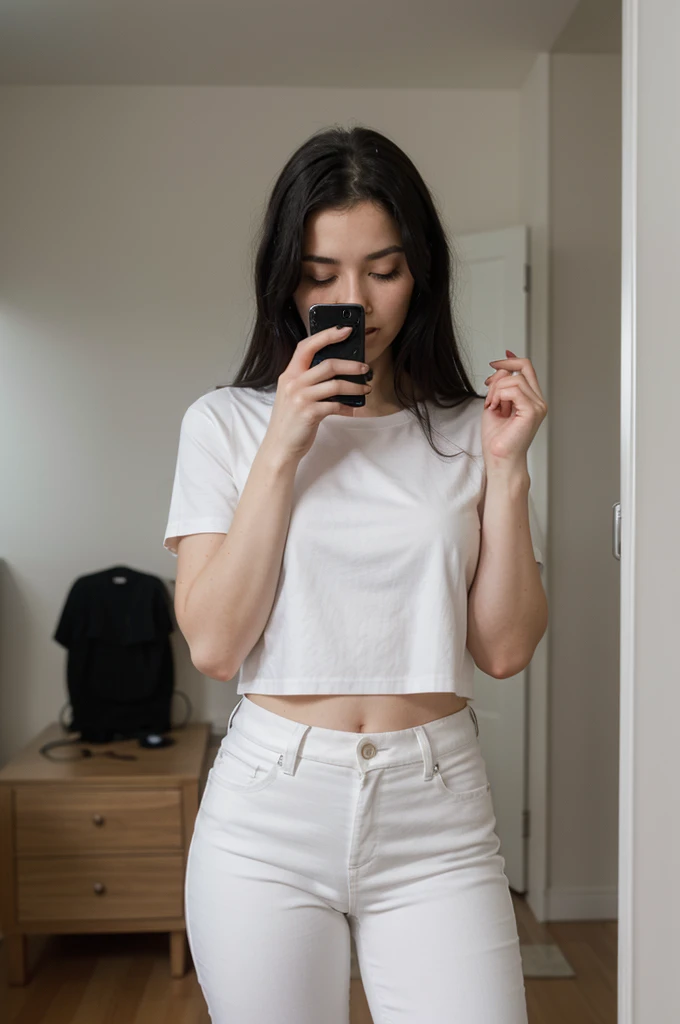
x,y
368,750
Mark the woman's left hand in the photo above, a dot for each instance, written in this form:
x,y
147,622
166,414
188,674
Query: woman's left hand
x,y
513,410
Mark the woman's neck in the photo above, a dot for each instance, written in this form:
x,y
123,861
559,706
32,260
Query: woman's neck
x,y
382,400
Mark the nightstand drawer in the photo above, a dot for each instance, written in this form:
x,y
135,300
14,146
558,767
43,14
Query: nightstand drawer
x,y
72,819
99,888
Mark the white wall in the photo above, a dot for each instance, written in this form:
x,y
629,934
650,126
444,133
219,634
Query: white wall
x,y
127,223
534,197
584,592
650,560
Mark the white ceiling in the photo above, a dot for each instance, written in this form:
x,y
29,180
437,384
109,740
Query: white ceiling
x,y
368,43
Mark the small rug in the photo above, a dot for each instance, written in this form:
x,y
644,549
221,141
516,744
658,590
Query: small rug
x,y
545,960
539,960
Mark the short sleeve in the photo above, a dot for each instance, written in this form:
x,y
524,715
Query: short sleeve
x,y
204,492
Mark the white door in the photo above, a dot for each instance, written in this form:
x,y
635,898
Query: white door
x,y
490,306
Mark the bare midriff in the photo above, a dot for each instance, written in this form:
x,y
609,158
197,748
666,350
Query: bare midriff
x,y
376,712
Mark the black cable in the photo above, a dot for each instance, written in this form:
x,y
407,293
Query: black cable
x,y
180,693
83,752
66,728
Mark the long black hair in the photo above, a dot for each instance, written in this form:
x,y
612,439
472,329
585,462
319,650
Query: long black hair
x,y
337,168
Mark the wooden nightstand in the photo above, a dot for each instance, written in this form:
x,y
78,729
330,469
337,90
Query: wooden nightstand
x,y
98,845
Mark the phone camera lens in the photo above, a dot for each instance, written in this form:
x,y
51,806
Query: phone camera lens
x,y
347,313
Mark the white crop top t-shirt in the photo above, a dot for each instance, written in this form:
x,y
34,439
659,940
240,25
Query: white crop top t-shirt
x,y
381,550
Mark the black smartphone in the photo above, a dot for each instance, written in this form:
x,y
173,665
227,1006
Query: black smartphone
x,y
331,314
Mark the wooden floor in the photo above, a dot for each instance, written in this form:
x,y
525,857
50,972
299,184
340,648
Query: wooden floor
x,y
591,949
124,979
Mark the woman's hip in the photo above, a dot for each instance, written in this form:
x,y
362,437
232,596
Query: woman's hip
x,y
323,802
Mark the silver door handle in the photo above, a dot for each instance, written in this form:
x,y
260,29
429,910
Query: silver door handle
x,y
616,530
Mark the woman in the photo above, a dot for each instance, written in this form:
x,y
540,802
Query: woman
x,y
363,574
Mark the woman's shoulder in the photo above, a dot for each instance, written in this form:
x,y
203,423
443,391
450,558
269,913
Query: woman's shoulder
x,y
222,400
460,422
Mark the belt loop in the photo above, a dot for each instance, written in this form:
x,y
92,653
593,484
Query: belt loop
x,y
238,705
425,749
474,718
289,757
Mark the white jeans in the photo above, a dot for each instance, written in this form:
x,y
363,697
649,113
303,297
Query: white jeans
x,y
305,833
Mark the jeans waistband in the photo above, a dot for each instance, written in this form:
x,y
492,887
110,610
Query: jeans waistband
x,y
366,750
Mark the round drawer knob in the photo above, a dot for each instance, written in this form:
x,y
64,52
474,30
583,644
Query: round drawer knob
x,y
99,888
98,819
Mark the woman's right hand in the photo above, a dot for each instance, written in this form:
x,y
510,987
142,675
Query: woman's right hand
x,y
298,408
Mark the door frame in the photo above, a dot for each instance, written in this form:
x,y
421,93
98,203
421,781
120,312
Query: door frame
x,y
629,125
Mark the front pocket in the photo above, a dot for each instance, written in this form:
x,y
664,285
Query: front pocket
x,y
238,775
462,795
460,775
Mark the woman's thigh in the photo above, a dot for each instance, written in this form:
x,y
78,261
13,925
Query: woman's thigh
x,y
266,946
452,957
432,914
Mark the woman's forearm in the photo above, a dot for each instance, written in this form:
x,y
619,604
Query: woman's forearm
x,y
230,600
507,605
